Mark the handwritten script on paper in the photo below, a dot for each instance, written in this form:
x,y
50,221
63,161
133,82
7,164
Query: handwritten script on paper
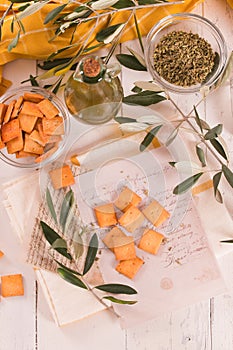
x,y
184,270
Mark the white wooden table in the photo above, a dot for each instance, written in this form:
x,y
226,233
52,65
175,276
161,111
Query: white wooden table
x,y
26,322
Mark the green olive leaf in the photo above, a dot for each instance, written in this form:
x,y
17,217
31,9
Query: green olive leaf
x,y
119,301
67,204
67,268
172,137
219,148
51,236
197,119
32,8
50,205
187,184
121,4
228,174
71,278
130,61
201,155
91,253
214,132
14,42
116,288
108,32
54,13
122,120
149,138
216,180
144,98
59,243
77,244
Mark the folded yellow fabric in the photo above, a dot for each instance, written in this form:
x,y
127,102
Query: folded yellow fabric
x,y
35,44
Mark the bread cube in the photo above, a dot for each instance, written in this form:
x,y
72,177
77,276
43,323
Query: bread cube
x,y
61,177
111,237
127,198
10,130
48,108
151,241
54,126
131,219
16,144
12,285
27,122
124,248
130,267
31,108
105,215
156,213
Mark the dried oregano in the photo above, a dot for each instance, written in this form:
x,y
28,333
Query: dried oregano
x,y
183,58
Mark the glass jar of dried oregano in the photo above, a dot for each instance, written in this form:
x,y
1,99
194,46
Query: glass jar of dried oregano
x,y
185,51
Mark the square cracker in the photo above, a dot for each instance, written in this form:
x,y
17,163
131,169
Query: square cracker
x,y
32,146
27,122
156,213
111,237
31,108
131,219
130,267
126,198
105,215
10,130
61,177
48,109
3,109
12,285
16,144
125,248
9,111
151,241
54,126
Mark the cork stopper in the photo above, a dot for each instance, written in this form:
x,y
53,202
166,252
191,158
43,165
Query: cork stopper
x,y
91,67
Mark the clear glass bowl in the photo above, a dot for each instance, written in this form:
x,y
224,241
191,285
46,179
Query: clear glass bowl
x,y
189,23
29,162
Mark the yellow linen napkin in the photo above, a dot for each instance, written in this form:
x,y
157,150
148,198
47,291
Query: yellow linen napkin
x,y
34,43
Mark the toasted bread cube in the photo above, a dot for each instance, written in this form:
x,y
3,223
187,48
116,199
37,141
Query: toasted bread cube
x,y
2,144
155,142
17,106
3,109
151,241
35,136
48,109
31,108
33,97
27,122
156,213
130,267
131,219
43,136
9,111
111,237
127,198
16,144
32,146
124,248
54,126
12,285
1,254
62,177
22,154
105,215
10,130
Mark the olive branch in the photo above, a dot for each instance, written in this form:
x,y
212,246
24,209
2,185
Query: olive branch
x,y
72,249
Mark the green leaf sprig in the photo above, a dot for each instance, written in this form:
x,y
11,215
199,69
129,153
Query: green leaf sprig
x,y
71,275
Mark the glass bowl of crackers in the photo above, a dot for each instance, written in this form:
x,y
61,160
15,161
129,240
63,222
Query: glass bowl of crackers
x,y
185,52
34,127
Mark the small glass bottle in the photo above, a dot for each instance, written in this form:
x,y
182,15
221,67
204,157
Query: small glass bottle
x,y
93,94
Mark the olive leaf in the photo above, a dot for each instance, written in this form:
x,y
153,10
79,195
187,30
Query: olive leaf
x,y
148,85
227,71
197,119
29,10
216,180
130,61
133,127
214,132
120,4
122,120
187,184
144,98
108,32
228,174
149,138
14,42
219,148
201,155
51,236
102,4
77,244
50,205
59,243
172,137
137,56
120,301
227,241
71,278
54,13
67,204
91,253
116,288
67,268
57,85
